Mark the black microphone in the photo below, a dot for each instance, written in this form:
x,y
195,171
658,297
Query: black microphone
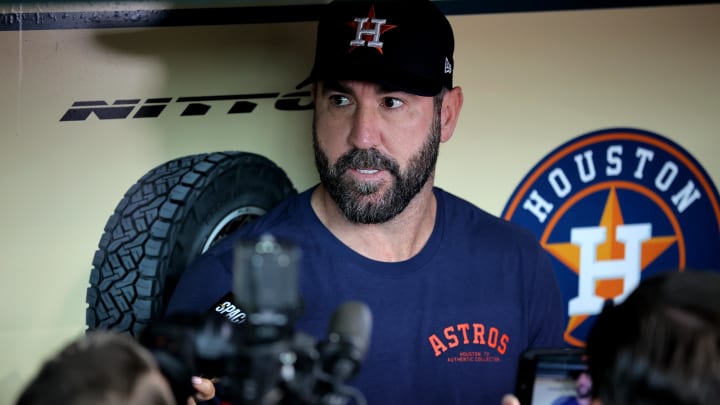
x,y
348,340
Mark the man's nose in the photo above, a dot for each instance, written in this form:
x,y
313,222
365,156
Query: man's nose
x,y
365,132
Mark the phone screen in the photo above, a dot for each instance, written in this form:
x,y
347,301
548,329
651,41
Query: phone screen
x,y
553,377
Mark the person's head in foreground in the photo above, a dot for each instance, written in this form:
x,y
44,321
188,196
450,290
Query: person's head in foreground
x,y
661,345
99,368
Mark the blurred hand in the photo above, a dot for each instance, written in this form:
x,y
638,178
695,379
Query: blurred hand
x,y
205,390
510,399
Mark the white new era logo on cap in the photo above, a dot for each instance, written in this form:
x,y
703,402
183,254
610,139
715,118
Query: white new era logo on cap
x,y
448,66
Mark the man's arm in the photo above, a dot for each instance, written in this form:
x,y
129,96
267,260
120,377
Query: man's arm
x,y
200,286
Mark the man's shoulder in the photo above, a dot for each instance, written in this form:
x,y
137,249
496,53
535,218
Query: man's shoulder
x,y
289,216
476,219
291,209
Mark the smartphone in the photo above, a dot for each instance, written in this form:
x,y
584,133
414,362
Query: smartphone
x,y
553,377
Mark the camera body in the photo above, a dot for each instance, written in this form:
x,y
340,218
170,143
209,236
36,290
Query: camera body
x,y
246,369
264,359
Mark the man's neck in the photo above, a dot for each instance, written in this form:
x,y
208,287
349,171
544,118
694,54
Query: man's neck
x,y
396,240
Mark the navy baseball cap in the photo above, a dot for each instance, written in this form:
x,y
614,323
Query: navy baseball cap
x,y
403,44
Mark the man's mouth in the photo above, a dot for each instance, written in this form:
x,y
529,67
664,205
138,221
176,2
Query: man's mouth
x,y
367,171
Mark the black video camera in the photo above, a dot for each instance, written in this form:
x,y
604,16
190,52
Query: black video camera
x,y
264,360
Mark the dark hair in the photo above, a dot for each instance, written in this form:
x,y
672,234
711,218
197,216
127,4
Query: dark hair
x,y
661,345
97,368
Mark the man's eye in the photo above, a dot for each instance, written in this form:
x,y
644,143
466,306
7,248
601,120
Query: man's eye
x,y
339,100
391,102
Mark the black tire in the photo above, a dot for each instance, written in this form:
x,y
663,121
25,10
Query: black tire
x,y
172,214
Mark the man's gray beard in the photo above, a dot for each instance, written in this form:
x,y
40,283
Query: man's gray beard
x,y
348,194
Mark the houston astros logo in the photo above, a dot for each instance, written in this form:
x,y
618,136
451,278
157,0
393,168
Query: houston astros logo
x,y
368,30
612,207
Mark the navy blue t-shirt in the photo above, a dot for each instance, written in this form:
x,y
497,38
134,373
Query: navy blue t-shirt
x,y
449,324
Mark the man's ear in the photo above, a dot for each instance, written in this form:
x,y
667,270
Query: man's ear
x,y
450,112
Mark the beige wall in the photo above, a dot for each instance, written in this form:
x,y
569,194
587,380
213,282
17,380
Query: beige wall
x,y
531,80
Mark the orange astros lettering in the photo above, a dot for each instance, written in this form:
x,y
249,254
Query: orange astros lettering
x,y
479,334
450,336
454,335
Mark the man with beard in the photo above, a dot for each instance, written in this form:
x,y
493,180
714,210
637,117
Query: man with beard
x,y
583,391
456,294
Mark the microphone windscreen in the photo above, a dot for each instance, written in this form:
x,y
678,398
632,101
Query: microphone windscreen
x,y
352,321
